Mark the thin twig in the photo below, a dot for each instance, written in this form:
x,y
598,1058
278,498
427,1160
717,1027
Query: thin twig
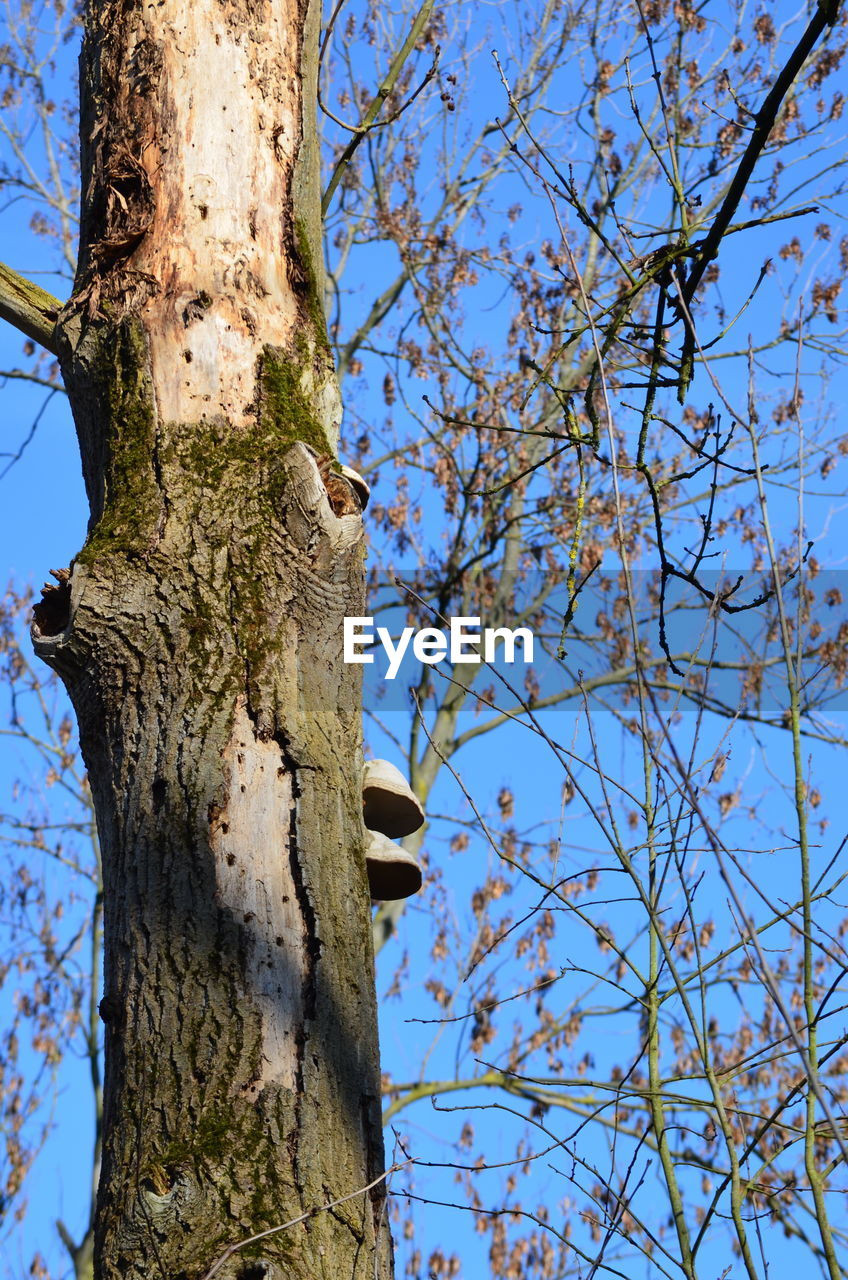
x,y
293,1222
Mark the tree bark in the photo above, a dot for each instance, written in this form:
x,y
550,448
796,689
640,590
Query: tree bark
x,y
199,636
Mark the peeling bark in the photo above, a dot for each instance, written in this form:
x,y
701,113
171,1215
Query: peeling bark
x,y
200,638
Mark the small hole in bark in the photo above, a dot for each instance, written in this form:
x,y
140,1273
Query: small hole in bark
x,y
248,916
159,1181
109,1009
225,826
158,792
281,773
188,357
253,1271
203,210
279,941
52,612
195,307
231,858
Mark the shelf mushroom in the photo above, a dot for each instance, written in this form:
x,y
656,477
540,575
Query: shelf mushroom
x,y
390,809
392,872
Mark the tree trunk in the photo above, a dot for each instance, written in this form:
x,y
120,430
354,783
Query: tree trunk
x,y
200,637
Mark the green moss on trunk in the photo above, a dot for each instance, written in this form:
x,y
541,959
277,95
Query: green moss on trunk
x,y
314,305
131,504
284,407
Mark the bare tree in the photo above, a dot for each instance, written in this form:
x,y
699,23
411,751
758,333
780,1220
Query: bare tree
x,y
594,444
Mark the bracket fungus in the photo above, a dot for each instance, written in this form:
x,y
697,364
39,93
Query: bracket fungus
x,y
392,872
391,810
388,802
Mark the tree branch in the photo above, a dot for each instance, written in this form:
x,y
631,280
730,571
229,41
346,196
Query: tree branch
x,y
764,122
370,117
29,308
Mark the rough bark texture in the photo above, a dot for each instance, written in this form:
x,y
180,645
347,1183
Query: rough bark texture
x,y
200,639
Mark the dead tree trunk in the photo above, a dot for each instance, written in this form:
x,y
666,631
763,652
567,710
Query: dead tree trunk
x,y
200,637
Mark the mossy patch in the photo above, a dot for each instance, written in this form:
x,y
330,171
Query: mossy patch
x,y
312,298
125,405
210,1142
223,489
212,1151
284,407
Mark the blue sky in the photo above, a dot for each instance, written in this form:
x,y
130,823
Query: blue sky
x,y
43,523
